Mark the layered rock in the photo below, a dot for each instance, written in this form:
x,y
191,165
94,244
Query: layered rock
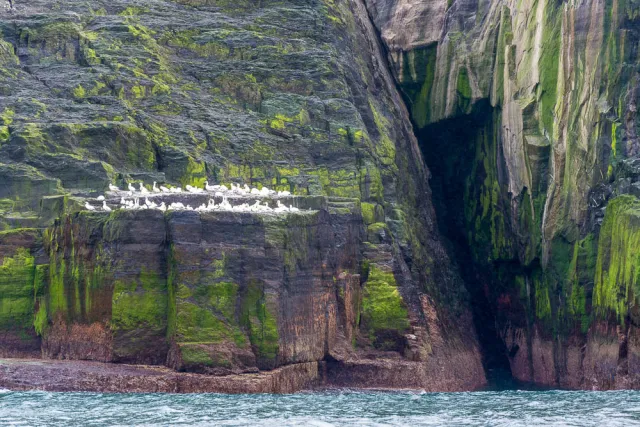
x,y
200,292
293,96
535,102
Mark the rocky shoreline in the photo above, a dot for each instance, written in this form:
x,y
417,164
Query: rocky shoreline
x,y
86,376
99,377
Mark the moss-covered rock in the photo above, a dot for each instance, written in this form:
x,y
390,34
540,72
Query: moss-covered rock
x,y
384,314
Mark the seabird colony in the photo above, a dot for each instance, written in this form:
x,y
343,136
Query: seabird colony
x,y
218,191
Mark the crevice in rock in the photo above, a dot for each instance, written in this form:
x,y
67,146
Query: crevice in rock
x,y
450,149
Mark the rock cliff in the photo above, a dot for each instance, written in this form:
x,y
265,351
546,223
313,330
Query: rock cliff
x,y
528,110
296,96
467,171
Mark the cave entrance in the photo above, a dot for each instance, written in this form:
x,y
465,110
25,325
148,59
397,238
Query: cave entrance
x,y
462,157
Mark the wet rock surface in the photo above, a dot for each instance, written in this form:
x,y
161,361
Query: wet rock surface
x,y
296,97
54,375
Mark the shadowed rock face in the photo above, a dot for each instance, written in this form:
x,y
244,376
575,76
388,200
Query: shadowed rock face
x,y
526,113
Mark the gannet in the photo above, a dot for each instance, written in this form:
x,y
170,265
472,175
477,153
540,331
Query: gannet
x,y
89,207
100,198
113,188
281,207
143,190
105,207
164,189
132,188
155,188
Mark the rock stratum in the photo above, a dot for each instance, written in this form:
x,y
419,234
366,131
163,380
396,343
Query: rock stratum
x,y
467,173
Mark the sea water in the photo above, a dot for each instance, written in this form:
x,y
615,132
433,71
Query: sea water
x,y
331,408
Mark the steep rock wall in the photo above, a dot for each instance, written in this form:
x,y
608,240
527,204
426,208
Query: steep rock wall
x,y
205,293
547,92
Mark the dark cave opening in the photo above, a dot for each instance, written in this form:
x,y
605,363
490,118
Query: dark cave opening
x,y
450,150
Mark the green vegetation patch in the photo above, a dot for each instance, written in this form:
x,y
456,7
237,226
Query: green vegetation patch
x,y
262,324
140,304
17,278
617,283
383,309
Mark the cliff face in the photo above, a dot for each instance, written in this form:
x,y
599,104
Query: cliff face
x,y
294,96
508,128
528,109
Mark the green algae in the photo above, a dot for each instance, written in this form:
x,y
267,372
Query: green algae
x,y
194,355
417,85
140,304
21,281
368,212
383,309
617,283
257,316
463,88
79,92
195,174
549,66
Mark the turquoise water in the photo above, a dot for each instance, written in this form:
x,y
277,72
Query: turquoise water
x,y
507,408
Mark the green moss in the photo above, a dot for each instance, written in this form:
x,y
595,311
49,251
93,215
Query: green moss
x,y
195,174
617,283
140,304
17,277
138,91
41,320
382,306
7,116
384,148
4,133
191,40
549,65
368,213
463,87
541,297
79,92
133,11
202,309
485,200
258,318
220,296
196,324
7,55
195,355
417,81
